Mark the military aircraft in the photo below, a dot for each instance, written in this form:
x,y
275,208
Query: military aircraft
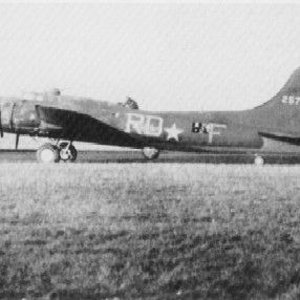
x,y
271,127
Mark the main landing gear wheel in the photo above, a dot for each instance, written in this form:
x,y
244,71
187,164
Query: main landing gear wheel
x,y
258,160
150,153
67,152
48,153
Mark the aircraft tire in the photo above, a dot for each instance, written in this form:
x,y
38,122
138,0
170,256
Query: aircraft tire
x,y
70,155
258,160
48,153
150,153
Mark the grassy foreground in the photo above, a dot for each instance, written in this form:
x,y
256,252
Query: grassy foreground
x,y
149,231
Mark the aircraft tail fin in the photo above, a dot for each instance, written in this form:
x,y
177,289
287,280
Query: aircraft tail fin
x,y
288,96
282,112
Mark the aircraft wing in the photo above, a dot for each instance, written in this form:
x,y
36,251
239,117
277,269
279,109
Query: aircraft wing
x,y
291,138
72,125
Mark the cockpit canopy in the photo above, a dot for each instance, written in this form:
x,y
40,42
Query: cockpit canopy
x,y
130,103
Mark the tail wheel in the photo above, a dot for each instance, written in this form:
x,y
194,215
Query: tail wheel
x,y
67,152
150,153
48,153
258,160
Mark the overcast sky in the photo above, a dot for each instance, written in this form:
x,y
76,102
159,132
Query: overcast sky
x,y
166,56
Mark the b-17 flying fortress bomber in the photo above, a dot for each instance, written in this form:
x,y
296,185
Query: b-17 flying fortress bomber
x,y
271,127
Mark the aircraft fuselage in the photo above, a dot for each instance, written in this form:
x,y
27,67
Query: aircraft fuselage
x,y
188,131
273,126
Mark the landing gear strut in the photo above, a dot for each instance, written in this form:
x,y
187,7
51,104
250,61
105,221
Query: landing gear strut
x,y
49,153
150,153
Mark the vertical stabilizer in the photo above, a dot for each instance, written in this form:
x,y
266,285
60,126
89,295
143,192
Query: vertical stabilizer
x,y
289,93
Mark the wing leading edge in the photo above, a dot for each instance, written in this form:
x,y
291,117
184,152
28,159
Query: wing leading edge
x,y
71,125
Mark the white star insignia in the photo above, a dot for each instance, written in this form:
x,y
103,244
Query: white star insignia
x,y
173,132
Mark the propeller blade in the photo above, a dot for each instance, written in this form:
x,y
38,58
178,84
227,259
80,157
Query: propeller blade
x,y
17,141
1,129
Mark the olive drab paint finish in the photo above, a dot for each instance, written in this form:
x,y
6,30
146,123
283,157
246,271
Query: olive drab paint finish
x,y
80,119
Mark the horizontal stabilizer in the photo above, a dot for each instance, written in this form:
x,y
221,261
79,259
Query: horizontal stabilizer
x,y
291,138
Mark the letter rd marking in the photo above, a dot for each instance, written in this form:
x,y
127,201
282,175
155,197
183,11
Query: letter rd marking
x,y
144,124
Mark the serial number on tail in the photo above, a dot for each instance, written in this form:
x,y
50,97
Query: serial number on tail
x,y
291,100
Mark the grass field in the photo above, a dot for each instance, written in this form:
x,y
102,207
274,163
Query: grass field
x,y
149,231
